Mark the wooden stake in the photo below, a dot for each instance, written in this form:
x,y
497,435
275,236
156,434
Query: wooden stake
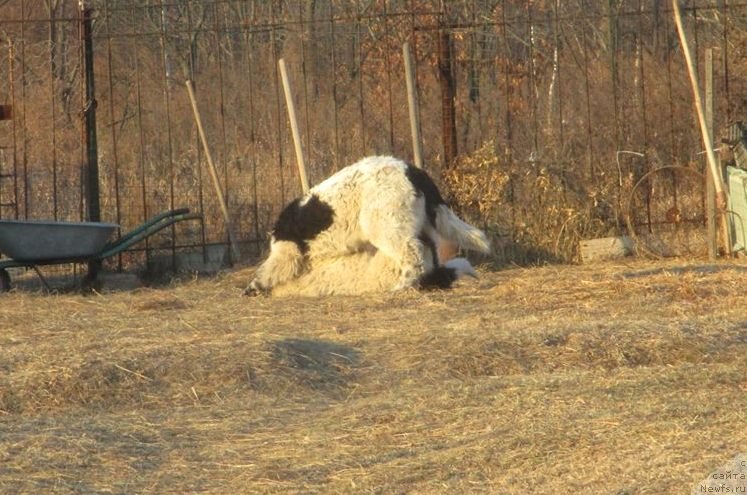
x,y
718,182
412,100
294,126
213,172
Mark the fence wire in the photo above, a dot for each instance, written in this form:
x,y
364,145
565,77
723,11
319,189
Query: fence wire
x,y
594,94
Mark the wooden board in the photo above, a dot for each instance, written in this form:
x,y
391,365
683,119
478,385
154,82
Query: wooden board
x,y
605,248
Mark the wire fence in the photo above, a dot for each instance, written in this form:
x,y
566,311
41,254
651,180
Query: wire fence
x,y
586,95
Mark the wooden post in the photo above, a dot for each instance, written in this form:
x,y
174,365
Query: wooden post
x,y
710,189
294,126
718,182
213,172
412,101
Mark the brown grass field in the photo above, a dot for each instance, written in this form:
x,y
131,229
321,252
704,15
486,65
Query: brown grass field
x,y
614,379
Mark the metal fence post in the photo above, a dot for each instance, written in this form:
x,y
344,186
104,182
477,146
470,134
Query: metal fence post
x,y
448,94
91,165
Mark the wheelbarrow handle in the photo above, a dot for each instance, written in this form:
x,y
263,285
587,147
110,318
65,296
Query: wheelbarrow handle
x,y
146,230
147,225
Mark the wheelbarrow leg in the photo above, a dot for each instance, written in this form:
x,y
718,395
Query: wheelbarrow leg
x,y
4,281
91,282
41,277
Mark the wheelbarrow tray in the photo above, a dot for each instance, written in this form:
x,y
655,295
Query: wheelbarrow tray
x,y
38,241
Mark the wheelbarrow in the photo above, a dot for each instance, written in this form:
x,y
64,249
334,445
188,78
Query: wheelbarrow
x,y
31,243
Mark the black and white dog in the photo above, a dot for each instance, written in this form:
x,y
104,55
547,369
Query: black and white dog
x,y
382,211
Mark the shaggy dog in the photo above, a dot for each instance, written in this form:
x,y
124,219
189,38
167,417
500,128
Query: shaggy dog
x,y
379,202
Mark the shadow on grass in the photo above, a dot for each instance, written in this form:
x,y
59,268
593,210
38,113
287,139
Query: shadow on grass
x,y
316,364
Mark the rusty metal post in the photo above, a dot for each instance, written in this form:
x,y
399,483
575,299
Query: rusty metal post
x,y
91,166
710,206
448,93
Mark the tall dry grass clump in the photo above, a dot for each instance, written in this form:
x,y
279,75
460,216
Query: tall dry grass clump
x,y
536,212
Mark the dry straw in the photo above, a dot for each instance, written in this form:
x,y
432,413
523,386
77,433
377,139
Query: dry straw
x,y
608,379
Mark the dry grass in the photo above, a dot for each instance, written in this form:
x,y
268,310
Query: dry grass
x,y
613,379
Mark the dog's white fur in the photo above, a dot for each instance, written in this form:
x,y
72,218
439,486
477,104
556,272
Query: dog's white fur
x,y
364,272
374,204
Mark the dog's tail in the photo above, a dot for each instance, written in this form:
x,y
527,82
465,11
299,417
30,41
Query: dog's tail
x,y
443,276
451,227
440,217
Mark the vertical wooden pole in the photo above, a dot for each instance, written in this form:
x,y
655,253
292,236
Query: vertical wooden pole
x,y
294,126
710,188
718,182
213,172
412,101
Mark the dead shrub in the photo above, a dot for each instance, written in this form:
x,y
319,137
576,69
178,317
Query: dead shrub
x,y
540,210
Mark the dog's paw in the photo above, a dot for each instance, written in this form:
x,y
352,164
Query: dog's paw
x,y
254,289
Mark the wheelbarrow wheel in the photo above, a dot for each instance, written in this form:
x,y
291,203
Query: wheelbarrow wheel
x,y
4,281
